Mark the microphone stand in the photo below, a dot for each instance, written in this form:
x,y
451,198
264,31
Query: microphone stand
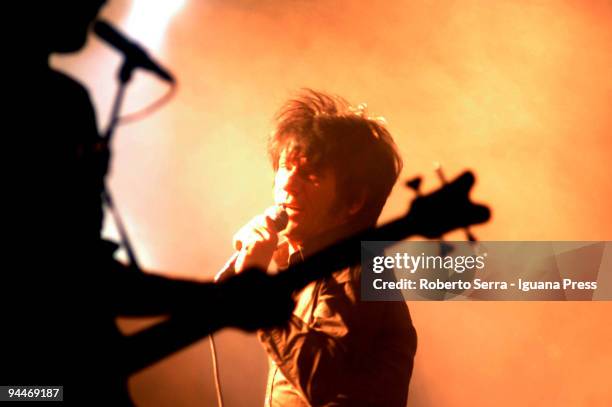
x,y
124,76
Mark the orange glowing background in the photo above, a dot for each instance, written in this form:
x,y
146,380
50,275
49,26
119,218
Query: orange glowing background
x,y
518,91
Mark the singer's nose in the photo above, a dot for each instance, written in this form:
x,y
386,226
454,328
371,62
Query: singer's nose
x,y
293,180
287,181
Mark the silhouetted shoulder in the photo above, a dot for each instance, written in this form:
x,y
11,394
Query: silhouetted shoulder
x,y
59,80
73,99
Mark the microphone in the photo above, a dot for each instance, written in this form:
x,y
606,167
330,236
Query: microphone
x,y
132,52
279,217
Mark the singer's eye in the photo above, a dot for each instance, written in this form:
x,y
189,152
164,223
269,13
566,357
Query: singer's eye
x,y
301,167
312,177
308,173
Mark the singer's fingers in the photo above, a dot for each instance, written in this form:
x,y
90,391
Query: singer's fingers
x,y
263,233
237,242
260,228
259,221
264,226
270,223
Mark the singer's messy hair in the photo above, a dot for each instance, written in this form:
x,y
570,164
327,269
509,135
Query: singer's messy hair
x,y
333,134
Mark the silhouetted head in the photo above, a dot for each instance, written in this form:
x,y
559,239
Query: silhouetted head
x,y
63,24
333,164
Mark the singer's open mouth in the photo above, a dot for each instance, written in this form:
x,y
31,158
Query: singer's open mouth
x,y
292,208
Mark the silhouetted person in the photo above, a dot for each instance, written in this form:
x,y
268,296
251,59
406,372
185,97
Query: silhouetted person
x,y
61,288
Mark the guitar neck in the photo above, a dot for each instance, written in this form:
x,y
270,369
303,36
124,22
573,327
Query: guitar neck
x,y
340,255
155,343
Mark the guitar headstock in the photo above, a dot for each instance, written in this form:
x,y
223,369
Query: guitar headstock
x,y
446,209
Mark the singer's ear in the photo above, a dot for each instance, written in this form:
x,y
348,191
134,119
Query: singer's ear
x,y
357,204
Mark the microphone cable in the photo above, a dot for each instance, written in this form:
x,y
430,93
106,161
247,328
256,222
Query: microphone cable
x,y
279,216
213,351
150,108
213,354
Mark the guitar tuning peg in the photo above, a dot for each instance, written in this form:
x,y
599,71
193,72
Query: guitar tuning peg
x,y
440,172
415,184
445,248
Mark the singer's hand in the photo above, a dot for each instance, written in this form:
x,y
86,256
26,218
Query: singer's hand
x,y
257,241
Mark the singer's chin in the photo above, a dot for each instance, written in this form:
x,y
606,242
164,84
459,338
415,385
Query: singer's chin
x,y
293,231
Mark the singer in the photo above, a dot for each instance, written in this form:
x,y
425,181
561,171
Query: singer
x,y
335,168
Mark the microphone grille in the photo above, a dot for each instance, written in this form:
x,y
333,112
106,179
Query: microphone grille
x,y
279,216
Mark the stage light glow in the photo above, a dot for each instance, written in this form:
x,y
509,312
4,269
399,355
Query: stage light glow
x,y
149,19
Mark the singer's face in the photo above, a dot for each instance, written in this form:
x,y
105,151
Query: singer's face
x,y
309,196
